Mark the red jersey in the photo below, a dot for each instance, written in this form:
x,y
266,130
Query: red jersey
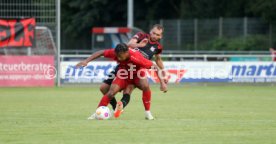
x,y
136,60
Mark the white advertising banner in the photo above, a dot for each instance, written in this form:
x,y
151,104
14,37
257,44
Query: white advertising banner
x,y
179,72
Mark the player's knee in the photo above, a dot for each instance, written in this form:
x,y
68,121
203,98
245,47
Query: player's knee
x,y
104,88
111,94
128,91
145,88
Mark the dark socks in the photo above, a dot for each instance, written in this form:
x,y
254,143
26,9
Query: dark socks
x,y
125,99
113,103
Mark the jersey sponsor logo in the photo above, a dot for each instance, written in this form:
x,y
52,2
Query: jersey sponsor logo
x,y
152,49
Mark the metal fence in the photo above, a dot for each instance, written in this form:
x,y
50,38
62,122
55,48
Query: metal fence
x,y
44,11
195,34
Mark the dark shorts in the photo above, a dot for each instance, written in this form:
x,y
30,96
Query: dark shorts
x,y
111,76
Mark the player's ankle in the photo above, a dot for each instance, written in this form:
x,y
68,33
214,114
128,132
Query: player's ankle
x,y
147,112
120,105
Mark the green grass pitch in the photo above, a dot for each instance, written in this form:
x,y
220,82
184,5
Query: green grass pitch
x,y
200,114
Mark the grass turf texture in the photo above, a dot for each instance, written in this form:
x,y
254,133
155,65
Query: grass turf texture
x,y
186,114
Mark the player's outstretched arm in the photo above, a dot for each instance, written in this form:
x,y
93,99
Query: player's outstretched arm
x,y
91,58
163,85
133,43
159,62
145,63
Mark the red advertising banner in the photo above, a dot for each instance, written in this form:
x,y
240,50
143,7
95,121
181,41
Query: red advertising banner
x,y
27,71
17,33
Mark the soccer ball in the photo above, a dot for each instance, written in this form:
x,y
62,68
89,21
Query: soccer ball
x,y
102,113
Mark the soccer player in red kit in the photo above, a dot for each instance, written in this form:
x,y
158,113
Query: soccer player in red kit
x,y
134,63
148,45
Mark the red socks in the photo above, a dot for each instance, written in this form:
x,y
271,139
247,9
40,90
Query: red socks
x,y
104,101
146,99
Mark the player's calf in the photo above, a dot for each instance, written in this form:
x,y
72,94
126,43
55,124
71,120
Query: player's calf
x,y
125,100
104,88
113,103
110,94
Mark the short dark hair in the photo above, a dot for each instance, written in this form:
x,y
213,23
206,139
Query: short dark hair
x,y
122,47
158,26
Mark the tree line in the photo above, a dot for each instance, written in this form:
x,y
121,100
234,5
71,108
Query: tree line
x,y
79,16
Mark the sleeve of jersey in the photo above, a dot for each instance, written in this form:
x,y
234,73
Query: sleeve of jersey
x,y
160,49
109,53
139,36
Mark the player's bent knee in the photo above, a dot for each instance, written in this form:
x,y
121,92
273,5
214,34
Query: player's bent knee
x,y
145,88
127,91
111,94
104,88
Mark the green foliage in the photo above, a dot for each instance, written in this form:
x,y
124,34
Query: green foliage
x,y
79,16
265,9
235,8
252,42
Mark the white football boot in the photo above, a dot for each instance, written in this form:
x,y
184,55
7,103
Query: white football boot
x,y
148,115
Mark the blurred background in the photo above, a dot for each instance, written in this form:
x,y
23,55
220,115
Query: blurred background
x,y
190,25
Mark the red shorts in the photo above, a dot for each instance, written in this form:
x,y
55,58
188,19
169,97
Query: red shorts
x,y
123,82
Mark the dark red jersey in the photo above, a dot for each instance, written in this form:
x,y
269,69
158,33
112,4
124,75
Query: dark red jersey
x,y
151,49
